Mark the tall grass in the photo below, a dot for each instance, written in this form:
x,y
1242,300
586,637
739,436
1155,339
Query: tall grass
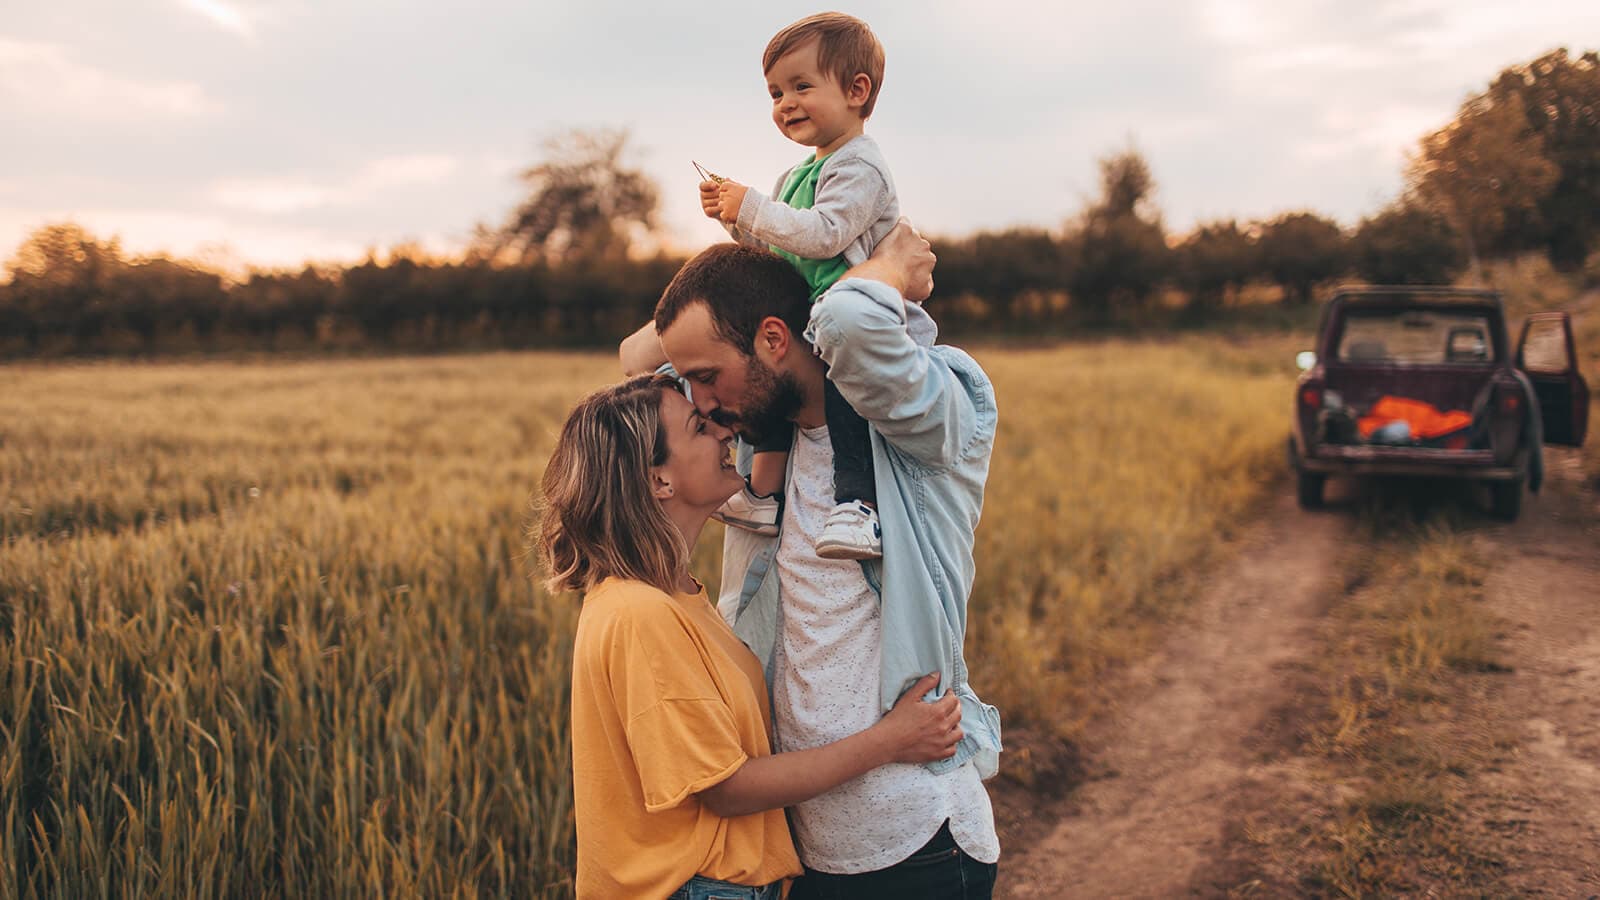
x,y
1118,469
268,629
1392,728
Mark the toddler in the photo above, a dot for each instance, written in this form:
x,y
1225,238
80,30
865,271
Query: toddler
x,y
825,215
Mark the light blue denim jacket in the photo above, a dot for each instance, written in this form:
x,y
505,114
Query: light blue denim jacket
x,y
932,414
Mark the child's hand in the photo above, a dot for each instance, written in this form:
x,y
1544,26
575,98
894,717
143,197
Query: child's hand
x,y
710,200
730,196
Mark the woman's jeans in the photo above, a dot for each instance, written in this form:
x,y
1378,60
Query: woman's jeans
x,y
703,888
939,871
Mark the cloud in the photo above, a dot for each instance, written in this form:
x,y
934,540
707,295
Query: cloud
x,y
280,195
189,235
1385,130
42,78
222,15
270,196
403,171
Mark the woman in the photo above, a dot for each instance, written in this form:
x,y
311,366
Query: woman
x,y
677,791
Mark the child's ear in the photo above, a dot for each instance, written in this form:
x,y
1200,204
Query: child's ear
x,y
859,90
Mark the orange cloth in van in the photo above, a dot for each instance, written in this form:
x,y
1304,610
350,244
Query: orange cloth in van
x,y
1425,419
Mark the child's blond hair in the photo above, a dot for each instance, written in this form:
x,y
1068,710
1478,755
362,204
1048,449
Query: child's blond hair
x,y
846,48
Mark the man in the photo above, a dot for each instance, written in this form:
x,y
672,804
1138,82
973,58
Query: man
x,y
841,639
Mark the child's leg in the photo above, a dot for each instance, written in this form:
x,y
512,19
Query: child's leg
x,y
760,508
852,449
771,462
851,530
767,469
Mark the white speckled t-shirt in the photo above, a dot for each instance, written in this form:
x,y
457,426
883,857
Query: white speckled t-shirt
x,y
826,688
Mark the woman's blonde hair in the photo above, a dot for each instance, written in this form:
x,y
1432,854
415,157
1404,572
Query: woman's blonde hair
x,y
599,517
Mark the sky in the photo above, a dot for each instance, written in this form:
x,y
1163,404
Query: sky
x,y
257,133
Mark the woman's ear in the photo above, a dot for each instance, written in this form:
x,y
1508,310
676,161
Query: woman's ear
x,y
660,485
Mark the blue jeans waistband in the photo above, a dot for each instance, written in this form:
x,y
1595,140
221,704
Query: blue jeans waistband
x,y
703,888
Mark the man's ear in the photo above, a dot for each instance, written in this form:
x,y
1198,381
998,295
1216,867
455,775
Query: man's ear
x,y
857,92
773,340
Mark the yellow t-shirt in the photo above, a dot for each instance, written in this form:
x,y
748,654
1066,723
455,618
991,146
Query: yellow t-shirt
x,y
666,702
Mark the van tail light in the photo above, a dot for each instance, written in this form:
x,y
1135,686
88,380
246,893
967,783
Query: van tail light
x,y
1505,423
1311,397
1508,402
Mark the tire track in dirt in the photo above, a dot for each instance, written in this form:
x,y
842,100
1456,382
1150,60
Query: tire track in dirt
x,y
1169,761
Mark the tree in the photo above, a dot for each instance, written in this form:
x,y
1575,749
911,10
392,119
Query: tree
x,y
1215,258
1300,250
583,202
1406,244
1117,253
1486,173
160,294
60,279
1560,97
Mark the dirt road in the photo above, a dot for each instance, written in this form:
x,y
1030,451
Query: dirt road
x,y
1177,770
1169,760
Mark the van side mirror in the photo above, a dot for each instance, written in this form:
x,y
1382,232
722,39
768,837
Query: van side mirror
x,y
1305,360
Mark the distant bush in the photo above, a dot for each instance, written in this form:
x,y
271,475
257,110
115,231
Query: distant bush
x,y
1301,250
1407,245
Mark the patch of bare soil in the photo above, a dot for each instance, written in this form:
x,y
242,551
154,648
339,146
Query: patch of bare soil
x,y
1181,744
1540,808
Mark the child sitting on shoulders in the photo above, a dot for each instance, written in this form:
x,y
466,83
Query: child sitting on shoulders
x,y
825,215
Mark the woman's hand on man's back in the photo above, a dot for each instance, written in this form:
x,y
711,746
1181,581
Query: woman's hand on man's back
x,y
923,731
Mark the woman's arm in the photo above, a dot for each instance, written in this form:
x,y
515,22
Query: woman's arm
x,y
913,732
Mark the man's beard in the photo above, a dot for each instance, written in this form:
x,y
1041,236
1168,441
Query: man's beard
x,y
771,401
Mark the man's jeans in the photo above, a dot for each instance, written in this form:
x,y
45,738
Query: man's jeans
x,y
939,871
703,888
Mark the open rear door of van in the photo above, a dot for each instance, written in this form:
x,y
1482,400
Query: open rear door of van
x,y
1549,357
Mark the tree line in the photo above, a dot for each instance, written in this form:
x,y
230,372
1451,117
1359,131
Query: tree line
x,y
1516,171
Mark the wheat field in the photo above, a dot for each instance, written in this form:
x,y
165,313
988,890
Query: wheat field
x,y
269,627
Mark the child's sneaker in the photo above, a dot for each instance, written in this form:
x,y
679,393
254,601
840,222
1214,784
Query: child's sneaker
x,y
851,532
751,512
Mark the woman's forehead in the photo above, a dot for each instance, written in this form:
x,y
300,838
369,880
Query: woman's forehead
x,y
674,406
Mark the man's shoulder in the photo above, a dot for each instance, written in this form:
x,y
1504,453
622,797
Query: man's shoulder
x,y
974,380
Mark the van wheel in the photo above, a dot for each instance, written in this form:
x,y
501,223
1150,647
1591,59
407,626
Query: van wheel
x,y
1311,484
1505,499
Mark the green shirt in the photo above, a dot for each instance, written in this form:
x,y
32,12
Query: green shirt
x,y
800,192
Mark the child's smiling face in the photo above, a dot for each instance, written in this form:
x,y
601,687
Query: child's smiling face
x,y
809,106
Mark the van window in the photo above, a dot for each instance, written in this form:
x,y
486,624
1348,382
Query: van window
x,y
1416,337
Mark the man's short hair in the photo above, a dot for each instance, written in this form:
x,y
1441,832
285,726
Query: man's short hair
x,y
846,47
740,286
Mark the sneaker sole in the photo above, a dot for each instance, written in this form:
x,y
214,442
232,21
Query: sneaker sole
x,y
761,528
829,550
